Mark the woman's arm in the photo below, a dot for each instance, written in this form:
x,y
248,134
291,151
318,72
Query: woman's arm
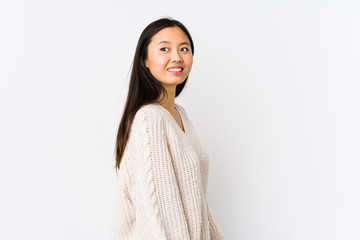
x,y
159,209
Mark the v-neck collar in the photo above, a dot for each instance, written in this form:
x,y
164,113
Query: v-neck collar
x,y
172,119
188,134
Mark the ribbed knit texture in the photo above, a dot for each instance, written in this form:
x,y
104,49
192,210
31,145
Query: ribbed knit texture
x,y
162,184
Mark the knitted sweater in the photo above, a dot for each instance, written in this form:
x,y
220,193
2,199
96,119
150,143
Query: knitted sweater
x,y
162,181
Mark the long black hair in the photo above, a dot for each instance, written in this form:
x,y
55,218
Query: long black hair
x,y
144,88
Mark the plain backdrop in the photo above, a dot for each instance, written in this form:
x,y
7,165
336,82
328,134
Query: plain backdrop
x,y
273,95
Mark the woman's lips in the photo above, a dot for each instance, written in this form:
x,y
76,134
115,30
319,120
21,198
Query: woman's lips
x,y
176,70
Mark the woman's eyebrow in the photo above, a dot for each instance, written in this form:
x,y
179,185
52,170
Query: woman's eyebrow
x,y
183,43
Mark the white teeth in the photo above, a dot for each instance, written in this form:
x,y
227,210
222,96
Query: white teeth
x,y
175,69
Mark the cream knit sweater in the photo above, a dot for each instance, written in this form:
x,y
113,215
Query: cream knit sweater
x,y
163,181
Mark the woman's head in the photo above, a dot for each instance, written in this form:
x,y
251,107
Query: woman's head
x,y
169,57
144,67
163,58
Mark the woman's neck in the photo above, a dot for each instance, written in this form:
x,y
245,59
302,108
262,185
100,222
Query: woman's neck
x,y
169,102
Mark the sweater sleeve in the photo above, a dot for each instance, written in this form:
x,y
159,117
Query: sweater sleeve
x,y
158,205
215,232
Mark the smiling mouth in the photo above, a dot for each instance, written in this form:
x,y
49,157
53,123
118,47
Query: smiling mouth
x,y
175,69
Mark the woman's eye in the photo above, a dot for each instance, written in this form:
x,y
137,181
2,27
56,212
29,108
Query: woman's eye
x,y
164,49
185,49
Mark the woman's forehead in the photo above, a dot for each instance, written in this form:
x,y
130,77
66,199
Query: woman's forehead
x,y
170,35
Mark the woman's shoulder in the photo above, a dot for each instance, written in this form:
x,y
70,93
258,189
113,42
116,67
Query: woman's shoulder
x,y
150,108
156,109
150,112
155,113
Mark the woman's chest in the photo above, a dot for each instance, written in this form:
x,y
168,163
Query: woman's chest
x,y
187,153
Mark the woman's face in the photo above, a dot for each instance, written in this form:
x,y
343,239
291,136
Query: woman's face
x,y
169,57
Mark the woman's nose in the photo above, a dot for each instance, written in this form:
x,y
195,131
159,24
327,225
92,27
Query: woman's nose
x,y
175,57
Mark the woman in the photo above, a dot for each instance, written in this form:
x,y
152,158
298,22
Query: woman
x,y
164,168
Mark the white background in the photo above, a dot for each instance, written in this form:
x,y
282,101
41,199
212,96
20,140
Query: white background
x,y
273,95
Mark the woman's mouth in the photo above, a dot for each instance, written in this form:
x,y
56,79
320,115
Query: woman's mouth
x,y
176,70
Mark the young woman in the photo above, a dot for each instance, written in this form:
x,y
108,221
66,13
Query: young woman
x,y
164,168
